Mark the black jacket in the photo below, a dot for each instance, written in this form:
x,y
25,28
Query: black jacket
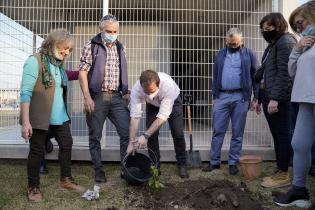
x,y
277,81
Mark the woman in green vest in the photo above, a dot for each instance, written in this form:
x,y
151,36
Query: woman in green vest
x,y
43,107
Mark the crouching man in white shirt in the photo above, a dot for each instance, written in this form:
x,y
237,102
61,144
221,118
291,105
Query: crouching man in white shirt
x,y
163,103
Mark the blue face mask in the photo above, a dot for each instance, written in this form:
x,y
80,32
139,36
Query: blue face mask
x,y
108,38
309,30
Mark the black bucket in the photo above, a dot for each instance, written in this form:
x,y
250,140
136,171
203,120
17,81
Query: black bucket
x,y
137,168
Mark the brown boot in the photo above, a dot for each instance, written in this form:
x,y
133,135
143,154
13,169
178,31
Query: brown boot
x,y
34,194
69,184
280,179
270,177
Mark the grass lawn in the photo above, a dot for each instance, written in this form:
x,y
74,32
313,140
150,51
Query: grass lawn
x,y
113,192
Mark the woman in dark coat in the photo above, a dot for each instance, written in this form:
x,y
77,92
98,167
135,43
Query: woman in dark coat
x,y
274,93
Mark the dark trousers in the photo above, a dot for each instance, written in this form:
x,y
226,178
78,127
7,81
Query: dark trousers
x,y
279,125
176,123
36,153
109,105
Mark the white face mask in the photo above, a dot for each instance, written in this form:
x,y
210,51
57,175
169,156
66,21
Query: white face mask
x,y
57,55
152,95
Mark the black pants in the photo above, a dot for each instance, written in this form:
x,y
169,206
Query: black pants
x,y
63,137
175,121
279,125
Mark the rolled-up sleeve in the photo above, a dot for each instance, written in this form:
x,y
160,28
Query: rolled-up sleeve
x,y
86,58
166,108
29,78
136,101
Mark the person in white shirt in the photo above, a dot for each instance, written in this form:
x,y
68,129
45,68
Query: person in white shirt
x,y
163,103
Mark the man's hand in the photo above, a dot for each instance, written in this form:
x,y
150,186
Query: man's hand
x,y
89,105
142,141
132,147
27,131
273,107
126,98
255,106
258,109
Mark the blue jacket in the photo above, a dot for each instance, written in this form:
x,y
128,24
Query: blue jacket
x,y
249,64
96,73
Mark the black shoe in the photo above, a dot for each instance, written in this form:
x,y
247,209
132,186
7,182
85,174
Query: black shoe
x,y
183,173
100,176
210,167
294,198
43,170
122,175
312,171
49,147
233,170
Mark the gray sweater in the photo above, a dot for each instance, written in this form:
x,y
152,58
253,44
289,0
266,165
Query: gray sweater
x,y
302,66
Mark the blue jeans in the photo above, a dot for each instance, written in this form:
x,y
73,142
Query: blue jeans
x,y
109,105
228,106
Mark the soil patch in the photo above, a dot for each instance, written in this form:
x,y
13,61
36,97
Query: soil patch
x,y
199,195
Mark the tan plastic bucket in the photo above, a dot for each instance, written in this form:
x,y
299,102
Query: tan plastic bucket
x,y
251,166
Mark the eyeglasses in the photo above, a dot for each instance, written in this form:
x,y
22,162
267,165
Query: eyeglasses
x,y
298,24
109,17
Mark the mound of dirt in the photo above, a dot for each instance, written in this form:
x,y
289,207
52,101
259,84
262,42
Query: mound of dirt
x,y
200,195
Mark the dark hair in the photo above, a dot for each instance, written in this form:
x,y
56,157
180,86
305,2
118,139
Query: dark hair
x,y
275,19
148,77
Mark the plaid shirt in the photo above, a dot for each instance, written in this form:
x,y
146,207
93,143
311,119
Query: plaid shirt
x,y
111,71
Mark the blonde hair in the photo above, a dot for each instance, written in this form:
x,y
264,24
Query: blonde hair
x,y
55,38
307,11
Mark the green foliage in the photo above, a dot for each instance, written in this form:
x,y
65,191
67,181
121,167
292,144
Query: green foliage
x,y
154,181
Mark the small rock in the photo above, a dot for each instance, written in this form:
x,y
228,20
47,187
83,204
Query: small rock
x,y
176,207
221,198
234,199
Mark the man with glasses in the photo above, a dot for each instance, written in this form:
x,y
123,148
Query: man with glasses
x,y
232,86
104,84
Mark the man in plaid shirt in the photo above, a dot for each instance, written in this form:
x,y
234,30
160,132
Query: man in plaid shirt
x,y
104,84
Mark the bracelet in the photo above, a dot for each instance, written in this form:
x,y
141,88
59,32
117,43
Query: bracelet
x,y
146,135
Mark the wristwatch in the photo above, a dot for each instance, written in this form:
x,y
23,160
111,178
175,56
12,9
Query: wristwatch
x,y
146,135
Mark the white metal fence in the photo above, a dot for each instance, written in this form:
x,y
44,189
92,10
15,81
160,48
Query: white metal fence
x,y
179,37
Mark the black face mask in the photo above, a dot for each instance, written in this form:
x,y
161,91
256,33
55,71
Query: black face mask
x,y
270,35
233,49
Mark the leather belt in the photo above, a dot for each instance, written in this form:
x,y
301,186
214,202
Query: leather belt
x,y
231,91
111,91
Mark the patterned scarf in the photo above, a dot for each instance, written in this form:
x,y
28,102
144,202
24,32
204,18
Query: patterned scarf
x,y
47,77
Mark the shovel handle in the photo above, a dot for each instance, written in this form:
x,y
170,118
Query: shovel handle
x,y
189,120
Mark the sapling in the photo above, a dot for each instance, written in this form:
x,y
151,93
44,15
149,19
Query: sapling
x,y
154,181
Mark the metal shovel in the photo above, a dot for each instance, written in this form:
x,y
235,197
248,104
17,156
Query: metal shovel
x,y
193,157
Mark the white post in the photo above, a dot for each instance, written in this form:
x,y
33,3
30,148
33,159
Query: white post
x,y
105,7
103,140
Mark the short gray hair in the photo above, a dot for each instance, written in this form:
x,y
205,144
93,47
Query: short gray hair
x,y
234,32
108,19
